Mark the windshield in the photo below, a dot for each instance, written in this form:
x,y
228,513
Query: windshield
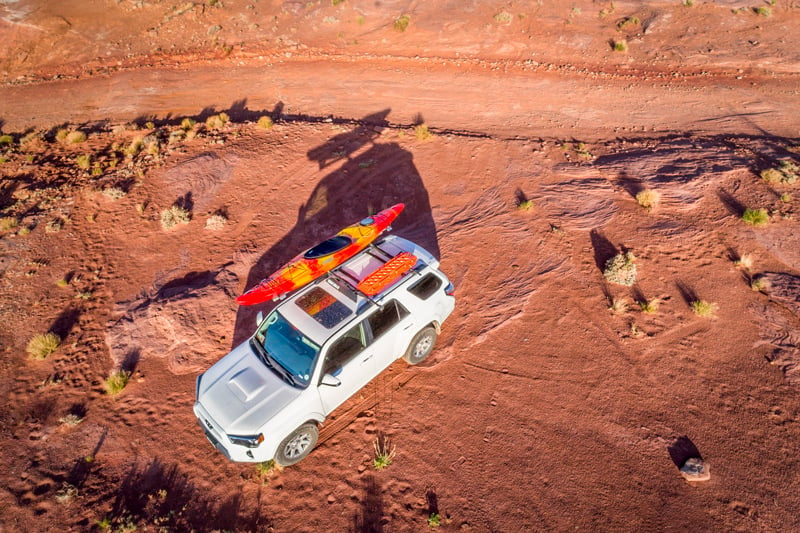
x,y
288,347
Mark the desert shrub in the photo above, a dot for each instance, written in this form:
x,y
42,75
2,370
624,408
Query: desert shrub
x,y
42,345
745,261
174,215
70,419
756,217
265,122
384,452
115,193
627,22
621,269
7,223
618,306
215,122
62,283
764,11
524,204
703,308
422,133
759,284
504,17
116,382
619,45
54,226
66,494
216,222
61,135
401,23
786,197
75,137
649,306
84,161
648,198
6,139
135,146
772,175
187,124
434,520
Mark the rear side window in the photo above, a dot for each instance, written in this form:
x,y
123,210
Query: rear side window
x,y
424,288
383,319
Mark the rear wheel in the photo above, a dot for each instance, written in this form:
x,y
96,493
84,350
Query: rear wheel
x,y
421,346
296,446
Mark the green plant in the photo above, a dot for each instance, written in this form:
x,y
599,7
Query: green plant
x,y
434,520
401,23
621,269
703,308
422,133
687,3
266,469
54,226
384,452
786,197
524,205
174,215
75,137
216,222
116,382
187,123
6,139
42,345
135,146
764,11
63,283
84,161
104,523
627,22
772,175
649,306
759,284
756,217
619,45
265,122
648,198
7,223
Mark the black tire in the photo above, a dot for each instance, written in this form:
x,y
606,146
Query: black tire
x,y
296,446
421,346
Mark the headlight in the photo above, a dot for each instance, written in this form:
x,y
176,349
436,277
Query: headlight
x,y
247,440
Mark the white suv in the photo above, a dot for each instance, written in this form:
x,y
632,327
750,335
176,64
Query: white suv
x,y
266,399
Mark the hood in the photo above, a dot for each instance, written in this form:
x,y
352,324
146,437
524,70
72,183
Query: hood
x,y
241,393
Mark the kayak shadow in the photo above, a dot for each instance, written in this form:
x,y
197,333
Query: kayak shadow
x,y
367,174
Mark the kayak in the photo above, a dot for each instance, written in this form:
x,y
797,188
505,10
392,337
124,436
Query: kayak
x,y
322,258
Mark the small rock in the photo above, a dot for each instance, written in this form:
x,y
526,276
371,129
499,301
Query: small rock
x,y
694,469
331,498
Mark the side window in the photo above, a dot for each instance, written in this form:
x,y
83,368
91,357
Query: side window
x,y
424,288
343,350
383,319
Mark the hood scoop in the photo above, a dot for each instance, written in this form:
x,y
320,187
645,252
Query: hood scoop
x,y
246,384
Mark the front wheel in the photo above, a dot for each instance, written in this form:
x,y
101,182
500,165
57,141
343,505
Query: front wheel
x,y
421,346
296,446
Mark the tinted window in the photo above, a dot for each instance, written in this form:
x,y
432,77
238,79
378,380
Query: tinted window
x,y
425,287
343,350
383,319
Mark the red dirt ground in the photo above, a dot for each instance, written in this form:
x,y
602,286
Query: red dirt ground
x,y
541,409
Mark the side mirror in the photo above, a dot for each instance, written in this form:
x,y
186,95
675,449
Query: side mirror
x,y
330,381
259,318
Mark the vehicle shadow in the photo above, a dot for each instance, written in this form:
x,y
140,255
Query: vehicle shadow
x,y
367,174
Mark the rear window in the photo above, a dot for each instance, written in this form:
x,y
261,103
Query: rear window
x,y
323,307
424,288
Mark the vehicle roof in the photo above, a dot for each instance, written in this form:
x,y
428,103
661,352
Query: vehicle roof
x,y
327,304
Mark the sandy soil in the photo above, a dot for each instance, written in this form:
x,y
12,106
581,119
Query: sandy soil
x,y
541,409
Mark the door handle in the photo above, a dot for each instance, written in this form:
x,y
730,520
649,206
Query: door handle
x,y
367,358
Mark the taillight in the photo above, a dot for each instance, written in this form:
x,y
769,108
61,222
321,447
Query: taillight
x,y
450,290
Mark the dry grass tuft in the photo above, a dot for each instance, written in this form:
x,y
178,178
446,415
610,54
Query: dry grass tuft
x,y
75,137
7,223
384,452
216,222
116,382
744,262
84,161
649,306
265,122
422,133
216,122
42,345
115,193
619,45
619,306
704,309
756,217
648,198
401,23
